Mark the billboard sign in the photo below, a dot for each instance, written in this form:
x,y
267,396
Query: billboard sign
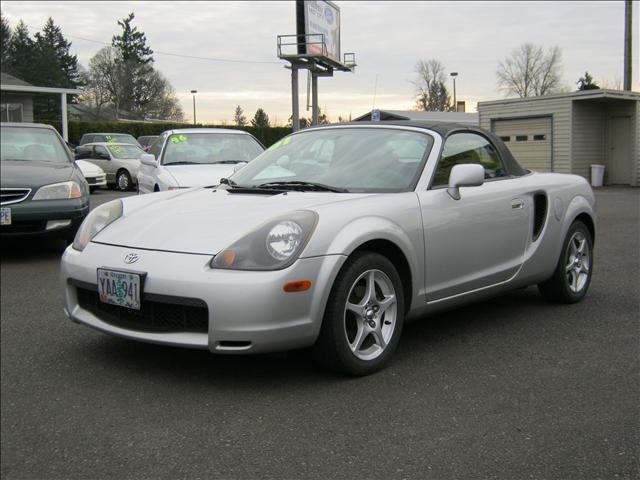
x,y
320,17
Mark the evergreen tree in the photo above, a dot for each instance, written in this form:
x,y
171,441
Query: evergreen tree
x,y
136,61
587,83
238,118
22,54
260,119
54,49
6,40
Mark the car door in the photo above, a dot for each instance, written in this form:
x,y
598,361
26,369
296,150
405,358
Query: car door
x,y
480,239
102,158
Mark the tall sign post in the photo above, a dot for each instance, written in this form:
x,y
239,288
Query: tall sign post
x,y
315,47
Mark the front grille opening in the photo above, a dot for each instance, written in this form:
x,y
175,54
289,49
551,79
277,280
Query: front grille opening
x,y
539,213
171,314
233,345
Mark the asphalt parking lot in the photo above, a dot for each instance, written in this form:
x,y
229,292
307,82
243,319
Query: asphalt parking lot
x,y
510,388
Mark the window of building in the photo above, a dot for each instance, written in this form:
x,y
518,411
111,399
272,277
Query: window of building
x,y
539,137
521,138
505,139
11,112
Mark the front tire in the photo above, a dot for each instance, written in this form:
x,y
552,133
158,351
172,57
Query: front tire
x,y
123,181
571,279
364,316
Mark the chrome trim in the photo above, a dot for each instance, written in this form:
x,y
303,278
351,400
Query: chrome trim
x,y
9,202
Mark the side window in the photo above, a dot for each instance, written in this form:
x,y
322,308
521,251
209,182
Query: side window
x,y
101,152
83,152
156,148
463,148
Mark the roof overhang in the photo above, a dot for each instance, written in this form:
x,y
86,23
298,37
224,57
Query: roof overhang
x,y
34,89
582,95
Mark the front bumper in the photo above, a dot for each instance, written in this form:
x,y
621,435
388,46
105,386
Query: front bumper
x,y
46,217
248,312
97,180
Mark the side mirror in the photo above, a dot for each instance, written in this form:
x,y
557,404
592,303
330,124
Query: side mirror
x,y
239,166
465,175
148,159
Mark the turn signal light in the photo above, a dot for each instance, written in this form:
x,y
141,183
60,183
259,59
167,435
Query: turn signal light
x,y
297,286
229,256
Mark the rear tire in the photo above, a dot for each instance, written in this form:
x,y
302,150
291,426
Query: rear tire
x,y
123,181
571,279
363,318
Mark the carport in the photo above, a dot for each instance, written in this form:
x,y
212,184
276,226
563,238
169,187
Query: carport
x,y
569,132
63,92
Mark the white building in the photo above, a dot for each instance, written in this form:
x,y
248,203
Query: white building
x,y
569,132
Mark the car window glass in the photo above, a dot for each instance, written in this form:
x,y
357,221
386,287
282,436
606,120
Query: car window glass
x,y
462,148
125,151
83,152
32,144
101,152
356,159
156,147
208,148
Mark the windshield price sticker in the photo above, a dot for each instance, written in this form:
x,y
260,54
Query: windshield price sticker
x,y
179,138
119,288
5,216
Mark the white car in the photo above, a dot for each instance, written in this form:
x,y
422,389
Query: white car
x,y
93,174
195,158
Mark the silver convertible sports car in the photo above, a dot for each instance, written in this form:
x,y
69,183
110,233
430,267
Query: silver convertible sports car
x,y
330,239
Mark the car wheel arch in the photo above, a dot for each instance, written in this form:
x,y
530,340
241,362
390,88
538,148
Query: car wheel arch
x,y
396,256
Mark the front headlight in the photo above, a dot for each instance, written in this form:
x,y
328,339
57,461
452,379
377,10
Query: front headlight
x,y
96,221
58,191
274,245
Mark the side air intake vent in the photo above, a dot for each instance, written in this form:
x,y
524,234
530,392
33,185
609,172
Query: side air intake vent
x,y
539,213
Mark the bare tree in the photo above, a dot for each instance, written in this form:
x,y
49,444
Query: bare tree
x,y
103,80
432,94
529,71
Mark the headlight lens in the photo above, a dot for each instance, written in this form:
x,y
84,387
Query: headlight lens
x,y
97,220
274,245
58,191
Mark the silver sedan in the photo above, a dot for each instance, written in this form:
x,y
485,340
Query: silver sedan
x,y
120,161
329,240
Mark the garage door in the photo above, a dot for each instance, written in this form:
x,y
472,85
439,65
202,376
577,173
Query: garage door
x,y
528,140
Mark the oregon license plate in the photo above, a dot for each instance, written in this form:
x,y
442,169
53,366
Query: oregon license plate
x,y
5,216
119,288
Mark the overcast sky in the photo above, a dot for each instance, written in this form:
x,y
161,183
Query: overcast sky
x,y
387,37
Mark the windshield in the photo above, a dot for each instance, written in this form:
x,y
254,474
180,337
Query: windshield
x,y
351,159
125,151
206,148
116,138
32,144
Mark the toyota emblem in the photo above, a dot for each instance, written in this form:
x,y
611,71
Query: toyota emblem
x,y
131,258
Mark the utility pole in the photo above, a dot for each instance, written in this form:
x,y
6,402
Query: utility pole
x,y
455,100
193,92
628,15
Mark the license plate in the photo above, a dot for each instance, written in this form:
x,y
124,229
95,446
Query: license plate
x,y
5,216
119,288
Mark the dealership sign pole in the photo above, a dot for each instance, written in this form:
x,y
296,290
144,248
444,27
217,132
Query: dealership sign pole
x,y
317,49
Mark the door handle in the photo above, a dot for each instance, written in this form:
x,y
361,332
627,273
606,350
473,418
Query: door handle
x,y
517,204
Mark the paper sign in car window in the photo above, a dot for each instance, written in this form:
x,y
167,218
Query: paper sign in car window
x,y
280,143
179,138
116,149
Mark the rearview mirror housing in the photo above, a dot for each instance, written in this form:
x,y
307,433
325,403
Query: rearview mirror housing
x,y
465,175
148,159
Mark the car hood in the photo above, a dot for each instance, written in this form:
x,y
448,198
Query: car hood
x,y
203,220
33,174
199,175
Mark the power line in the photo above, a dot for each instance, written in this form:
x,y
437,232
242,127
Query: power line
x,y
181,55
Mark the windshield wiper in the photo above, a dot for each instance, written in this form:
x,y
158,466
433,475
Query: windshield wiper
x,y
301,186
226,181
231,161
182,163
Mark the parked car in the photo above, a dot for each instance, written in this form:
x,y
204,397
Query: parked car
x,y
146,141
43,192
120,162
330,239
195,157
93,174
108,138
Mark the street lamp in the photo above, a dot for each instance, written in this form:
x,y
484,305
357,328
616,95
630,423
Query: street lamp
x,y
455,103
193,92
